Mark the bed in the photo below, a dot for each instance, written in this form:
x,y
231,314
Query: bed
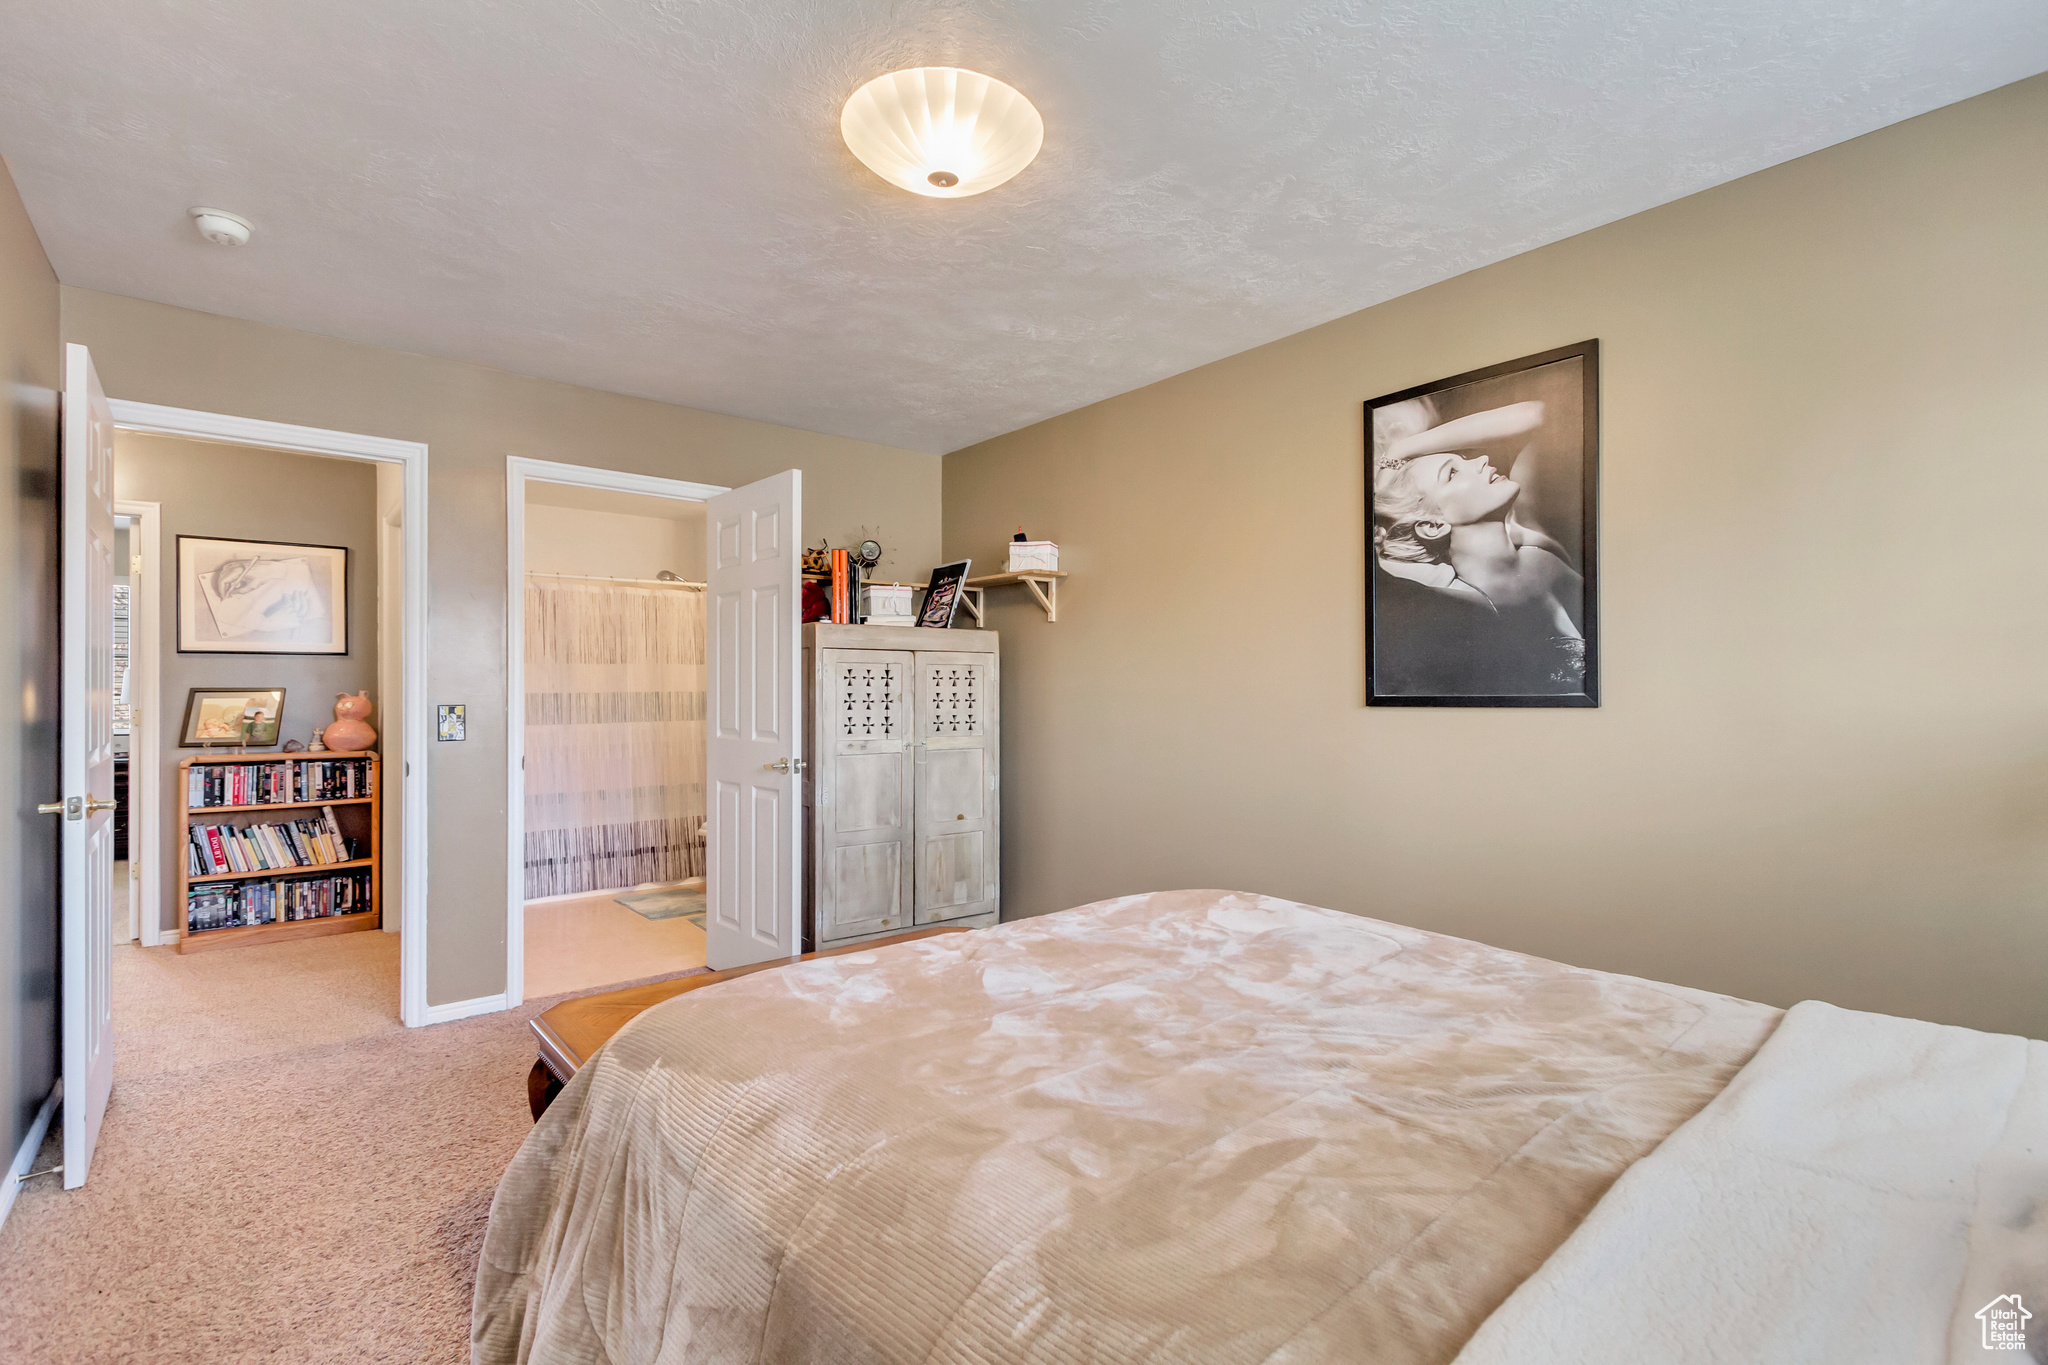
x,y
1204,1126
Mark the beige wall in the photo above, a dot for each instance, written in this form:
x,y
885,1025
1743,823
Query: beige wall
x,y
245,494
471,418
581,540
29,367
1821,764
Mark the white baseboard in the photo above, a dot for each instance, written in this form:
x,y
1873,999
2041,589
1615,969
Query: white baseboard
x,y
464,1009
10,1185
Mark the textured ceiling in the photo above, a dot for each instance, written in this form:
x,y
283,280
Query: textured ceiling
x,y
650,196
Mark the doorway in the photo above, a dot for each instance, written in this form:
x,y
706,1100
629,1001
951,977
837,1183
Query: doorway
x,y
254,602
138,874
388,607
606,683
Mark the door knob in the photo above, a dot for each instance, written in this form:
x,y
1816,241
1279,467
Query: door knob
x,y
785,765
73,807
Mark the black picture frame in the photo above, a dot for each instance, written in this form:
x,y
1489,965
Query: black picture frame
x,y
191,601
196,697
1428,643
942,595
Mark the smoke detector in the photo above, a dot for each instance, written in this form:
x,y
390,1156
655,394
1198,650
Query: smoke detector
x,y
222,229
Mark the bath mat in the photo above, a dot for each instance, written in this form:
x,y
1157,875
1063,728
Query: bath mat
x,y
684,901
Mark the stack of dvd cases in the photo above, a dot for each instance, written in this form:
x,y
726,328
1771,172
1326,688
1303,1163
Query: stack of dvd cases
x,y
219,905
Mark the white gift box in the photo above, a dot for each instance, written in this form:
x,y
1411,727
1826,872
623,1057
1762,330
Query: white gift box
x,y
1026,555
885,604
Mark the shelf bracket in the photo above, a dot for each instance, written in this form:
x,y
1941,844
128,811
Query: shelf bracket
x,y
1044,586
1048,596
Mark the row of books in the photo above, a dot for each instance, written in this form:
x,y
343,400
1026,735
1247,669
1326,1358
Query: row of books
x,y
215,849
334,779
228,906
265,784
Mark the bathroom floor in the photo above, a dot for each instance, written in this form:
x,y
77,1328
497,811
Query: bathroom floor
x,y
583,942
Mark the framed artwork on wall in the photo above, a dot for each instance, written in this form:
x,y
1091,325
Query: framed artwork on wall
x,y
258,597
231,715
1481,537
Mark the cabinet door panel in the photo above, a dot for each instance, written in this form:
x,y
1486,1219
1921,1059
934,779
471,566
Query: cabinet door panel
x,y
864,789
869,791
956,773
867,892
954,878
955,788
870,695
955,693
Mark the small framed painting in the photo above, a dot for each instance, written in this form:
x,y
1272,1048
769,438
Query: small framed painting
x,y
1481,537
248,716
942,598
260,597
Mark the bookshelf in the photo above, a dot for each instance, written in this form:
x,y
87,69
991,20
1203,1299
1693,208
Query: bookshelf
x,y
272,825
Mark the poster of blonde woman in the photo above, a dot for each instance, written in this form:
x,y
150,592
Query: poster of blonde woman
x,y
1480,539
256,597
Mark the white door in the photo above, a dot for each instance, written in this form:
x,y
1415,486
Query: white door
x,y
88,766
754,744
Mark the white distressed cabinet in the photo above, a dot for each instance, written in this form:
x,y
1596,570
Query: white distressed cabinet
x,y
902,791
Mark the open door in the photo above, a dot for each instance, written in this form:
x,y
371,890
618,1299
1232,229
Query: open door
x,y
88,761
754,743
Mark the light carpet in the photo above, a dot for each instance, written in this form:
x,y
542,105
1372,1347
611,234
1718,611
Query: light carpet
x,y
286,1173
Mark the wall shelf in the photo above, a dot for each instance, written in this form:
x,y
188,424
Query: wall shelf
x,y
1044,585
302,870
242,935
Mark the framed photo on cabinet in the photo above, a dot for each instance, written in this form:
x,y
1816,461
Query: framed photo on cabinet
x,y
261,597
942,595
231,715
1481,536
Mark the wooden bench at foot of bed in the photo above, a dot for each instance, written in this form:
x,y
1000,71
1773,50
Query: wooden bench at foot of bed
x,y
571,1033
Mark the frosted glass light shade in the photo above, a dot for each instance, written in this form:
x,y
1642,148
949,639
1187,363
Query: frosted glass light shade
x,y
940,131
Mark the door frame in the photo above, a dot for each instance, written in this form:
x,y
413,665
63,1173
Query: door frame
x,y
145,728
520,471
391,646
411,456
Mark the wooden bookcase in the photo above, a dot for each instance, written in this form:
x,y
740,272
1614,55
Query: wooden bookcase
x,y
357,816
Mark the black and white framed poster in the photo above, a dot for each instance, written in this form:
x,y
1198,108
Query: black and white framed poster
x,y
258,597
1481,538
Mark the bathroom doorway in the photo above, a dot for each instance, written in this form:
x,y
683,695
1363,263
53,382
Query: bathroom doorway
x,y
607,667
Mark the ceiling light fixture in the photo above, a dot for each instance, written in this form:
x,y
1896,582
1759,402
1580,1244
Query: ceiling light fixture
x,y
940,131
222,229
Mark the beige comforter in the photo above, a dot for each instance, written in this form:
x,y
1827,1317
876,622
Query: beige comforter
x,y
1192,1126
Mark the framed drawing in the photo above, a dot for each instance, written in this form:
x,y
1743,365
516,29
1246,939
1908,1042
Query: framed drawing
x,y
256,597
942,597
232,715
1481,546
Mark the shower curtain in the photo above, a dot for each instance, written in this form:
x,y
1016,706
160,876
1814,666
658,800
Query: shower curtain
x,y
614,735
